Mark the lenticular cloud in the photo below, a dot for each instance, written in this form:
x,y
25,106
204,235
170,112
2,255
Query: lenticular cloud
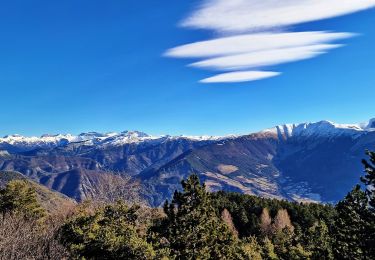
x,y
255,15
254,42
240,76
264,58
258,36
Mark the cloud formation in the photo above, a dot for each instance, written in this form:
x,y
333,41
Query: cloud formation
x,y
258,35
240,76
264,58
254,15
253,42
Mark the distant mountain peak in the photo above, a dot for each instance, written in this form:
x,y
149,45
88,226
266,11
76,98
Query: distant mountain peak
x,y
135,134
316,161
371,123
12,136
92,134
320,128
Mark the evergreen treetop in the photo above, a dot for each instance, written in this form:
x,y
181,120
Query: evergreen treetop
x,y
20,197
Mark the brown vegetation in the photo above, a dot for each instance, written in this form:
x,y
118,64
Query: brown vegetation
x,y
22,238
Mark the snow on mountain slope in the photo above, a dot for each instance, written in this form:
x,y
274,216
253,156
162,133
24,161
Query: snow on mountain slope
x,y
44,140
310,161
21,143
371,124
322,128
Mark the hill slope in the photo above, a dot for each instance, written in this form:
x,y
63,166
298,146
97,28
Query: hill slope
x,y
52,201
302,162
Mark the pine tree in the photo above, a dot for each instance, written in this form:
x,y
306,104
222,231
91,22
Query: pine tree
x,y
20,197
319,241
192,228
369,178
286,246
369,181
108,233
251,249
350,226
268,251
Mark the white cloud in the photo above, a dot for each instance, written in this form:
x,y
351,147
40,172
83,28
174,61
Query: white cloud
x,y
253,42
258,35
264,58
254,15
240,76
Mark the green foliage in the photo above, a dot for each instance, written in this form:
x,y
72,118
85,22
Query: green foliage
x,y
107,233
287,247
251,249
192,229
369,181
351,225
354,229
268,250
298,252
20,197
283,228
369,178
246,212
202,225
319,241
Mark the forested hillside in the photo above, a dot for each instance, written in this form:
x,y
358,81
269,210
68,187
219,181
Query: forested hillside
x,y
195,224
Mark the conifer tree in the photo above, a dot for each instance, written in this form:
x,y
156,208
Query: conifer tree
x,y
319,241
369,181
286,247
350,226
193,229
251,249
20,197
108,233
369,178
268,251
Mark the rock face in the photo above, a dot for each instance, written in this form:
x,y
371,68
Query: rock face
x,y
305,162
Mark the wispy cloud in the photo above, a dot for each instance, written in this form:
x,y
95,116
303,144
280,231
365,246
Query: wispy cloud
x,y
253,42
254,15
255,39
240,76
264,58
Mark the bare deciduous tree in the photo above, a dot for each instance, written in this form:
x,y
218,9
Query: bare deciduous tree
x,y
265,222
22,238
227,218
282,220
114,187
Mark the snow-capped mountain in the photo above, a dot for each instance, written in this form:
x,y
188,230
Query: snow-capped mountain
x,y
322,128
21,143
18,142
371,124
303,162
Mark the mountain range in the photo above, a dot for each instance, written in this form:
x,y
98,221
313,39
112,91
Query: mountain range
x,y
302,162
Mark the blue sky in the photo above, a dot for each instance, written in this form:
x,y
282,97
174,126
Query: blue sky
x,y
75,66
